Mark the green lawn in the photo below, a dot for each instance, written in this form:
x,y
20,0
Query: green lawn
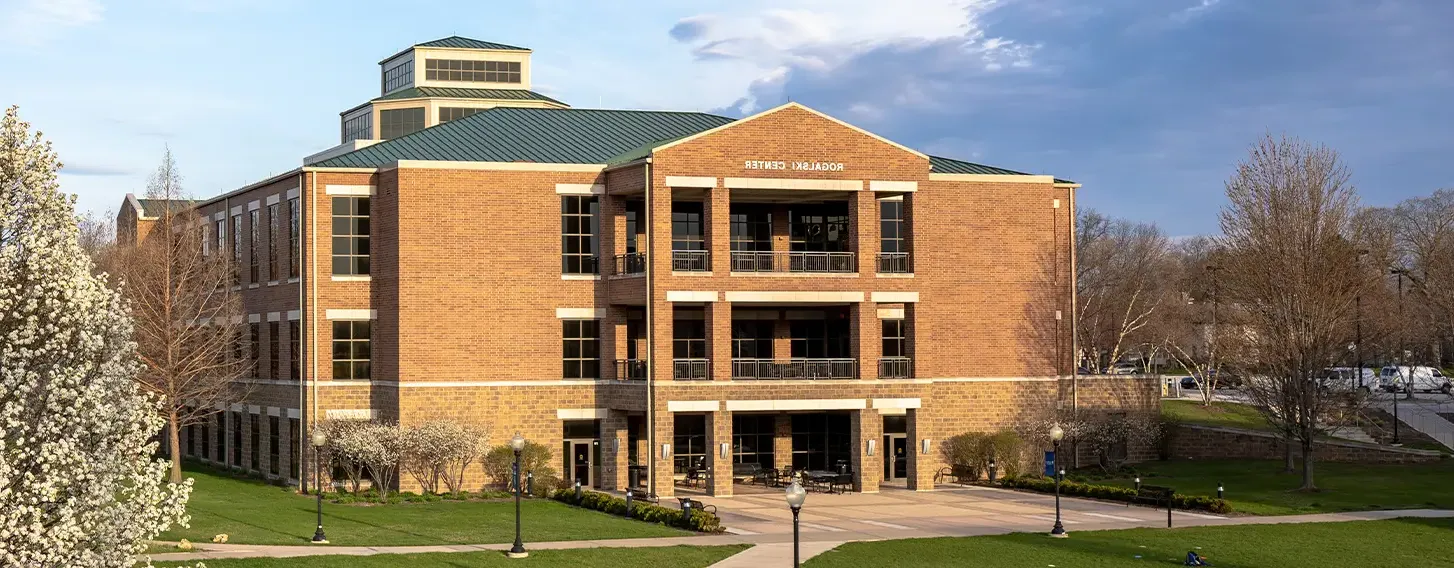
x,y
1368,544
251,512
673,556
1259,487
1225,414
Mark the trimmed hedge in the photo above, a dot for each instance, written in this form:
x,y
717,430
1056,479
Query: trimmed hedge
x,y
700,521
1113,493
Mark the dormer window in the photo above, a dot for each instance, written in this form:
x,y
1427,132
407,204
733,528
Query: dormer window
x,y
472,71
398,76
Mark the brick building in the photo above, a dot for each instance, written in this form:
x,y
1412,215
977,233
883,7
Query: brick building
x,y
653,295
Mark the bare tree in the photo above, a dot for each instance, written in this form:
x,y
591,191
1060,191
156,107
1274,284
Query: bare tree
x,y
1120,285
1288,240
185,314
98,238
1423,231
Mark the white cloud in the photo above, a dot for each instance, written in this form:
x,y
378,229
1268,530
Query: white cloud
x,y
1195,10
35,22
758,43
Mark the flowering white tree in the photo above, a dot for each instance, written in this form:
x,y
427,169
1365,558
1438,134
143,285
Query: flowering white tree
x,y
78,482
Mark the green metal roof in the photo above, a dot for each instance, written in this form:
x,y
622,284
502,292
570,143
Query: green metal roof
x,y
464,93
643,150
542,135
155,207
467,43
940,165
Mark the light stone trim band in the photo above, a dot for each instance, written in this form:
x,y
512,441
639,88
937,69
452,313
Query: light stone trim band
x,y
350,314
273,200
891,313
809,404
992,178
896,297
254,318
236,210
360,190
275,316
800,297
794,183
897,403
254,205
580,188
581,413
691,181
878,185
497,166
275,411
580,313
692,406
254,409
293,413
294,315
692,296
893,412
292,193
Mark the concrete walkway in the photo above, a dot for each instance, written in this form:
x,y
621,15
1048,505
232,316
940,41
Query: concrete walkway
x,y
1423,415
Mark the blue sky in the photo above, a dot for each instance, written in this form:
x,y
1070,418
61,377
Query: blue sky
x,y
1149,103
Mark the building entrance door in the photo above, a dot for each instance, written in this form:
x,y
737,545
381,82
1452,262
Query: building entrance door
x,y
582,462
896,456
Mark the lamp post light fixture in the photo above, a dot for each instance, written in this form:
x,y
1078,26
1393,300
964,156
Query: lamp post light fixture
x,y
319,442
796,495
518,550
1056,435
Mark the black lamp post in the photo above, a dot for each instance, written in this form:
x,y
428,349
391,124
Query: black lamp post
x,y
319,442
796,495
1056,435
518,551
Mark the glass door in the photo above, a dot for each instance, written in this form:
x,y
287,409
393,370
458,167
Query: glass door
x,y
581,462
896,456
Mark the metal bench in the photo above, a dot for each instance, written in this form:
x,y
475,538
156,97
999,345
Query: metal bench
x,y
1155,496
688,504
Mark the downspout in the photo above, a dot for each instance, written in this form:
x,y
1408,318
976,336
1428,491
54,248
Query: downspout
x,y
302,369
1074,317
650,335
312,332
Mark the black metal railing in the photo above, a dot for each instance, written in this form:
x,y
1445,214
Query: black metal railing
x,y
691,261
630,369
691,369
894,263
895,368
792,261
629,263
794,369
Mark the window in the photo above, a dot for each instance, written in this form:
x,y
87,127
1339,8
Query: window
x,y
399,76
359,127
220,233
351,353
751,229
893,251
821,441
686,226
689,339
752,339
398,122
689,442
205,436
236,249
634,226
817,339
351,235
221,437
294,331
237,344
472,71
274,356
578,228
191,439
237,439
293,448
294,252
252,246
447,114
254,332
273,445
752,439
819,227
274,223
254,438
581,349
893,338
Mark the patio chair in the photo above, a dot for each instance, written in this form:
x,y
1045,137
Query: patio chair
x,y
841,482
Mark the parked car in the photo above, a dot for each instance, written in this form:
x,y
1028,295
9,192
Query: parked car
x,y
1347,379
1189,383
1125,369
1418,378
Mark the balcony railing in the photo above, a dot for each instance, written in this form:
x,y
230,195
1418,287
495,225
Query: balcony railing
x,y
691,369
795,261
794,369
630,263
691,261
895,368
894,263
630,369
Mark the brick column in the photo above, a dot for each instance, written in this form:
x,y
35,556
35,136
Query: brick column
x,y
863,219
613,231
781,232
716,209
782,441
865,338
782,344
614,440
665,426
908,228
719,469
613,341
719,339
921,466
915,366
866,425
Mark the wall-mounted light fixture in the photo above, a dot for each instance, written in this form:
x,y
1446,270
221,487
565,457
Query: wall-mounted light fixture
x,y
615,444
924,446
725,447
665,451
871,446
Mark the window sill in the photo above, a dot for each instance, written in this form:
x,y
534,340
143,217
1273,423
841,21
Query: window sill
x,y
253,286
690,273
352,278
237,288
293,280
626,276
894,275
272,283
580,277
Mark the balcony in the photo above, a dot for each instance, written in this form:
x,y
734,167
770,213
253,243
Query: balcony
x,y
691,261
894,263
895,368
628,264
769,369
691,369
793,262
630,369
